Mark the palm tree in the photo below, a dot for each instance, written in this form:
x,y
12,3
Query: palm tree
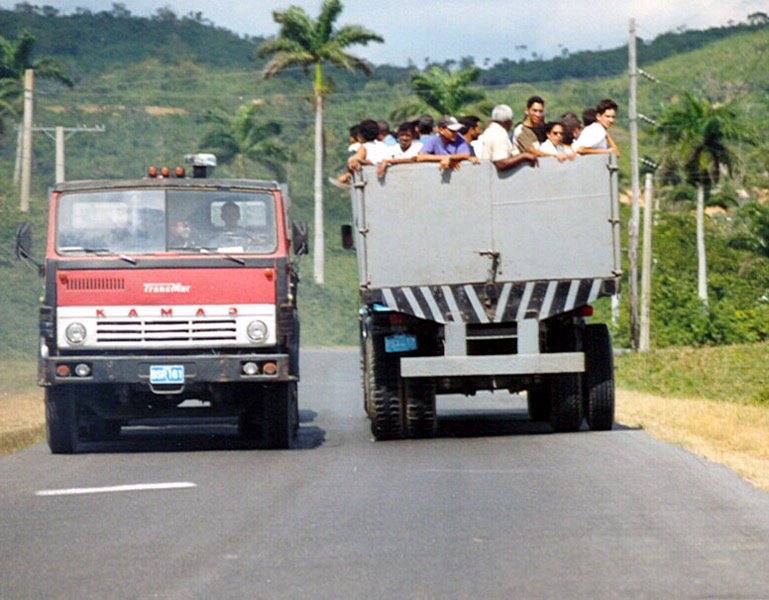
x,y
304,41
15,58
241,137
443,91
697,137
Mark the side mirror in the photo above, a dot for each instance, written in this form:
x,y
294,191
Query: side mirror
x,y
300,237
22,248
347,239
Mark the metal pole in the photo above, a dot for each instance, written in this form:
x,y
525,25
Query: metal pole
x,y
26,153
59,154
635,212
646,267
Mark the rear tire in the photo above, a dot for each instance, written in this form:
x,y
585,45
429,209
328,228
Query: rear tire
x,y
421,417
538,401
385,403
61,418
565,403
599,378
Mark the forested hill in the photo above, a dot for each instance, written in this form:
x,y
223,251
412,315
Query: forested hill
x,y
90,43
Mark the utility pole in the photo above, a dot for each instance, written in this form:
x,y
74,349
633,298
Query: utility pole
x,y
26,152
635,212
59,134
646,266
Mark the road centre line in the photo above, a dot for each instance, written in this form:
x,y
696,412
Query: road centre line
x,y
137,487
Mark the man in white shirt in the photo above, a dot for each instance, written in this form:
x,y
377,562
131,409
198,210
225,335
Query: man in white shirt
x,y
595,138
405,152
372,151
496,144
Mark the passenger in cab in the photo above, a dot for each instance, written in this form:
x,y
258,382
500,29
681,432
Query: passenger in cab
x,y
496,145
554,144
595,138
447,147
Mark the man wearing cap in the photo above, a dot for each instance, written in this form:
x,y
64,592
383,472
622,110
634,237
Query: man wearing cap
x,y
447,147
496,143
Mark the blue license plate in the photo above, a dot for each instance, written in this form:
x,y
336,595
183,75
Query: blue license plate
x,y
167,374
400,343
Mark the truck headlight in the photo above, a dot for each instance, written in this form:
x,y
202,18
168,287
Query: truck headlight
x,y
257,331
75,333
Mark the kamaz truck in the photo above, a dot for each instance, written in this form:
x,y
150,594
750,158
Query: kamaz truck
x,y
169,296
477,279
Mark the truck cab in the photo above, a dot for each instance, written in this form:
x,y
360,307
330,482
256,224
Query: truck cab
x,y
169,296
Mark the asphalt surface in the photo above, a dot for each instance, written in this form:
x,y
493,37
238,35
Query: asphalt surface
x,y
495,507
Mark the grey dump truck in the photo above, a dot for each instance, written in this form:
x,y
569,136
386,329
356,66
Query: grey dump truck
x,y
482,280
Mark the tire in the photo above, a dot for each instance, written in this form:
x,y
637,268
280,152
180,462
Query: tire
x,y
421,417
565,403
282,416
538,401
61,419
598,393
385,403
366,349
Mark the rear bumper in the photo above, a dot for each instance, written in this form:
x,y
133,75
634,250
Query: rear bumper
x,y
498,365
136,369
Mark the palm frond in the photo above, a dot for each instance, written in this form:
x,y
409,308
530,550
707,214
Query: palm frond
x,y
329,13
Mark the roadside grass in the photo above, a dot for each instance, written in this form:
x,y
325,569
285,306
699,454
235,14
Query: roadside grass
x,y
724,373
713,401
21,406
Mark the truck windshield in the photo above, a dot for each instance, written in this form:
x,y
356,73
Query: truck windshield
x,y
148,221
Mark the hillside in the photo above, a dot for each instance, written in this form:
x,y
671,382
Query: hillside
x,y
152,108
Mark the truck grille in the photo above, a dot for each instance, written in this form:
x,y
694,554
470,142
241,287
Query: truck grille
x,y
178,330
94,283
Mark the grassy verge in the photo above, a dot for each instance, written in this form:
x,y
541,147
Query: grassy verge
x,y
722,373
712,401
21,406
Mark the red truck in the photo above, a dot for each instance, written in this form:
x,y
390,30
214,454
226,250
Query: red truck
x,y
169,296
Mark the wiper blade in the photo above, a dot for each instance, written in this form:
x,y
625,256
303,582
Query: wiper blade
x,y
98,252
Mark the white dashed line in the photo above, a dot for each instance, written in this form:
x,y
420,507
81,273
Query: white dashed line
x,y
138,487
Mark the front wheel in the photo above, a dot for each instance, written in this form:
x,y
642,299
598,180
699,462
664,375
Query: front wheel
x,y
282,416
61,419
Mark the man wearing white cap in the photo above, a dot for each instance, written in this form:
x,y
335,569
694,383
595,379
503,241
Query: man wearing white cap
x,y
447,147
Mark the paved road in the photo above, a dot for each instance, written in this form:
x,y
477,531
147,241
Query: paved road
x,y
494,508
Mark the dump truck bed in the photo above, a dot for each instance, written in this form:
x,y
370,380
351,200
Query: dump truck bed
x,y
478,245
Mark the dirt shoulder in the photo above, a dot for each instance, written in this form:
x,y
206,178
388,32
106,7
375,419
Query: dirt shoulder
x,y
731,434
22,416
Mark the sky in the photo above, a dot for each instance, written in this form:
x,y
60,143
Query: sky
x,y
451,29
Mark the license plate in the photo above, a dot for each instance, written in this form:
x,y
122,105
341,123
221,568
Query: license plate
x,y
167,374
400,343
